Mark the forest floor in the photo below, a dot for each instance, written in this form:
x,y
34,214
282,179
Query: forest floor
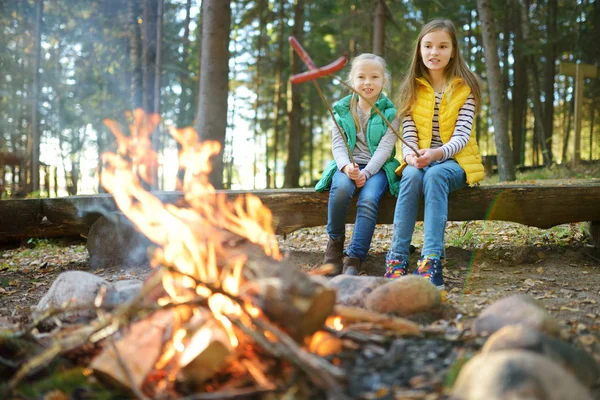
x,y
486,261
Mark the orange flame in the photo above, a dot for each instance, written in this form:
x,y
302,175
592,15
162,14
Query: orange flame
x,y
189,237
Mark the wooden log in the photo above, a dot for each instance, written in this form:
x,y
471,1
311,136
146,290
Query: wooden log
x,y
128,363
206,350
542,205
298,302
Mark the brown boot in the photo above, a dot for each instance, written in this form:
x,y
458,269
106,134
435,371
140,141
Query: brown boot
x,y
334,254
351,266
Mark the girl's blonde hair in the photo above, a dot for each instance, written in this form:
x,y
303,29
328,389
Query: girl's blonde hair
x,y
457,67
364,57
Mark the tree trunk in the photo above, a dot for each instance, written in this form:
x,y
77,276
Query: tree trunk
x,y
506,20
35,97
549,74
592,115
184,98
535,88
134,54
519,93
506,169
260,7
310,139
158,57
379,28
149,53
272,177
211,117
157,142
292,168
185,118
568,129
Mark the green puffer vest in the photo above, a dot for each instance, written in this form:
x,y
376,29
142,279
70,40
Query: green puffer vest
x,y
376,129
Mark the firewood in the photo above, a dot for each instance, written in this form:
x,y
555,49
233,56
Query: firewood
x,y
207,349
397,325
297,302
139,349
324,344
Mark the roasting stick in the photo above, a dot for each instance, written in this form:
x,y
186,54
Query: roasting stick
x,y
326,70
314,73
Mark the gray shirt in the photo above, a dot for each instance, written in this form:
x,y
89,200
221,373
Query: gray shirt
x,y
361,152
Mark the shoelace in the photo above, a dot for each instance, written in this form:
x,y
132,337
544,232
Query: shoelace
x,y
425,267
395,269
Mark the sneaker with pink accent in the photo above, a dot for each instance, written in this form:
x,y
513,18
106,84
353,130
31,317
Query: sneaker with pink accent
x,y
430,267
395,268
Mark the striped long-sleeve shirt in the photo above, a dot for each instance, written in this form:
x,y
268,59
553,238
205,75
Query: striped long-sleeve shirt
x,y
460,136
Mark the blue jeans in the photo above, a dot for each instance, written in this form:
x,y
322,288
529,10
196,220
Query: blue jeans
x,y
341,193
434,182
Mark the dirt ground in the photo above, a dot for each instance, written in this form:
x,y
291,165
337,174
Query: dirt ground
x,y
486,261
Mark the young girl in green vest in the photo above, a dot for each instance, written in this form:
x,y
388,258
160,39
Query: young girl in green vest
x,y
437,102
372,174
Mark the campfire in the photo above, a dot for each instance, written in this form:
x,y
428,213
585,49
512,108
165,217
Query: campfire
x,y
221,311
222,314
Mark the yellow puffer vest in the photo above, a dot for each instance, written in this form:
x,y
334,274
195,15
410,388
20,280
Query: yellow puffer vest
x,y
468,158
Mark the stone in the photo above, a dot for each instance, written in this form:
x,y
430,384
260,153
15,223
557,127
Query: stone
x,y
573,359
516,374
516,310
72,289
122,291
79,289
404,296
352,290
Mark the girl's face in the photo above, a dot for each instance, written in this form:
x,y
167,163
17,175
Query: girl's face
x,y
436,50
368,79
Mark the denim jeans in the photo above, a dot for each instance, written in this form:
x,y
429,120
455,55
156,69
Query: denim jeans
x,y
341,193
434,182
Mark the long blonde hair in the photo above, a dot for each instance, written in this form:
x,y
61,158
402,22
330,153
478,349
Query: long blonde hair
x,y
353,66
457,67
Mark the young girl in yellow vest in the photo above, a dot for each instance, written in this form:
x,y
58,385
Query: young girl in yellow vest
x,y
437,102
372,146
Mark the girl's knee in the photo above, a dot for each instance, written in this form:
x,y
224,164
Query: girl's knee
x,y
434,176
370,200
411,177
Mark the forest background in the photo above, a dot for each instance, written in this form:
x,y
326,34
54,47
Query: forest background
x,y
223,67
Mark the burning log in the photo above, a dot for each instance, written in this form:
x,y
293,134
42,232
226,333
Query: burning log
x,y
325,344
128,362
205,352
398,325
298,302
222,270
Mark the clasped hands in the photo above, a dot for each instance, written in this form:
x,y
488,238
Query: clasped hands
x,y
426,157
355,174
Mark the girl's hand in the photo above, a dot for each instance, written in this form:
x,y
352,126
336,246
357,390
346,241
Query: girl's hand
x,y
426,157
361,180
352,171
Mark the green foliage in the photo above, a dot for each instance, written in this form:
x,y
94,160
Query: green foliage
x,y
38,242
558,171
472,235
87,70
465,237
454,370
67,381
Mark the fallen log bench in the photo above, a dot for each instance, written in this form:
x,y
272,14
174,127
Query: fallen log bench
x,y
542,204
